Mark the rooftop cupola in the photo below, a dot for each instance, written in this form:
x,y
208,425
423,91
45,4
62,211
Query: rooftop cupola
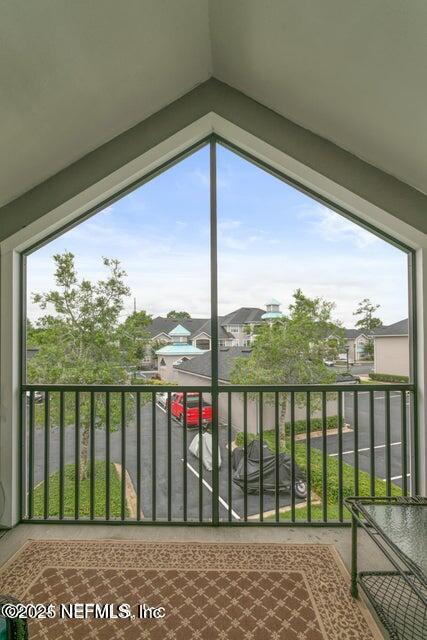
x,y
273,310
180,345
179,335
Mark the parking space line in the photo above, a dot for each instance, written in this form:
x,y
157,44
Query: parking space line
x,y
378,446
377,397
394,477
208,486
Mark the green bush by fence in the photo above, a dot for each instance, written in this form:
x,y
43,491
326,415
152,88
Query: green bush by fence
x,y
388,377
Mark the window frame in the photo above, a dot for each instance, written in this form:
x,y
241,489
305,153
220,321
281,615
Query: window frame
x,y
213,140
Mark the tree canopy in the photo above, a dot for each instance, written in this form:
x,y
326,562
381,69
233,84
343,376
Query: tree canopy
x,y
77,336
292,350
365,312
80,340
178,315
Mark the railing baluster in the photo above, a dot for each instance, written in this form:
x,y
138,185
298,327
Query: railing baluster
x,y
324,460
93,395
107,455
31,459
184,459
387,444
61,454
404,446
292,455
245,455
372,442
229,459
261,457
308,458
277,448
77,455
153,453
169,457
123,447
138,456
340,467
356,441
200,458
46,454
23,462
92,456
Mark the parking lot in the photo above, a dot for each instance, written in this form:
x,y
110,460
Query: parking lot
x,y
364,435
169,478
199,489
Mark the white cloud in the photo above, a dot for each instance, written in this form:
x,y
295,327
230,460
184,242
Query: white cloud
x,y
227,225
333,227
165,274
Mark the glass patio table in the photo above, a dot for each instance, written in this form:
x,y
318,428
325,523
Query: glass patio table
x,y
398,526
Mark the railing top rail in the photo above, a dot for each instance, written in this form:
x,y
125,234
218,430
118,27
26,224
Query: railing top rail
x,y
266,388
319,387
116,388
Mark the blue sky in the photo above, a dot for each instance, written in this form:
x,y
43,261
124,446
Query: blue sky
x,y
272,239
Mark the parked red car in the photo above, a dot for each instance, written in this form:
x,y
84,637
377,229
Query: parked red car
x,y
192,417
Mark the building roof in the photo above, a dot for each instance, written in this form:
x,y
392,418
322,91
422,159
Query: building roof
x,y
202,365
244,315
182,349
352,334
272,301
400,328
193,325
270,315
179,332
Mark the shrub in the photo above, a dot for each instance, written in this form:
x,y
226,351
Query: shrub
x,y
388,377
300,427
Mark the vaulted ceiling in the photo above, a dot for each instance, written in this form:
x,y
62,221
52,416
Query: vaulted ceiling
x,y
75,74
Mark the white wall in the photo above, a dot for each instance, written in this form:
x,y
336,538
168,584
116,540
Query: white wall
x,y
49,214
392,355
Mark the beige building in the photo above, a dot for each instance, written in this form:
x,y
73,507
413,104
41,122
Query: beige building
x,y
356,343
391,349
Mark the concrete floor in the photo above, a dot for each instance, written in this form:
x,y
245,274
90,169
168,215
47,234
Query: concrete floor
x,y
368,554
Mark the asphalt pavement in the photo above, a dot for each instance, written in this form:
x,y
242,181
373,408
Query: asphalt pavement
x,y
179,473
364,441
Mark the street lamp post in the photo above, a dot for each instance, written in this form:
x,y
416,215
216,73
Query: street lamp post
x,y
347,349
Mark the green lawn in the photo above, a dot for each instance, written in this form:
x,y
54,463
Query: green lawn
x,y
69,494
332,480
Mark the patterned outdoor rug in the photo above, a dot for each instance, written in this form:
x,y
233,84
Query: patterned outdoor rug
x,y
208,591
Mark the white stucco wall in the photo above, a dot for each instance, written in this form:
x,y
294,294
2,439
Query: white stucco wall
x,y
391,354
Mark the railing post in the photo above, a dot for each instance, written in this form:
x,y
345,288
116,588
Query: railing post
x,y
214,331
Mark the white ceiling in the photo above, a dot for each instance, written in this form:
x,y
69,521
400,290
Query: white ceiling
x,y
75,74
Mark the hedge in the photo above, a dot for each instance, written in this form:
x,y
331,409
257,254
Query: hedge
x,y
300,427
388,377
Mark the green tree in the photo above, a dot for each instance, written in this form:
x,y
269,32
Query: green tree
x,y
367,322
134,338
292,350
77,339
178,315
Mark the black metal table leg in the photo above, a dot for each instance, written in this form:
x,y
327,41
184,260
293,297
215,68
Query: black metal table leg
x,y
354,590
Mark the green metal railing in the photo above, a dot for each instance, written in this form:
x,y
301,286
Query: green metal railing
x,y
139,467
